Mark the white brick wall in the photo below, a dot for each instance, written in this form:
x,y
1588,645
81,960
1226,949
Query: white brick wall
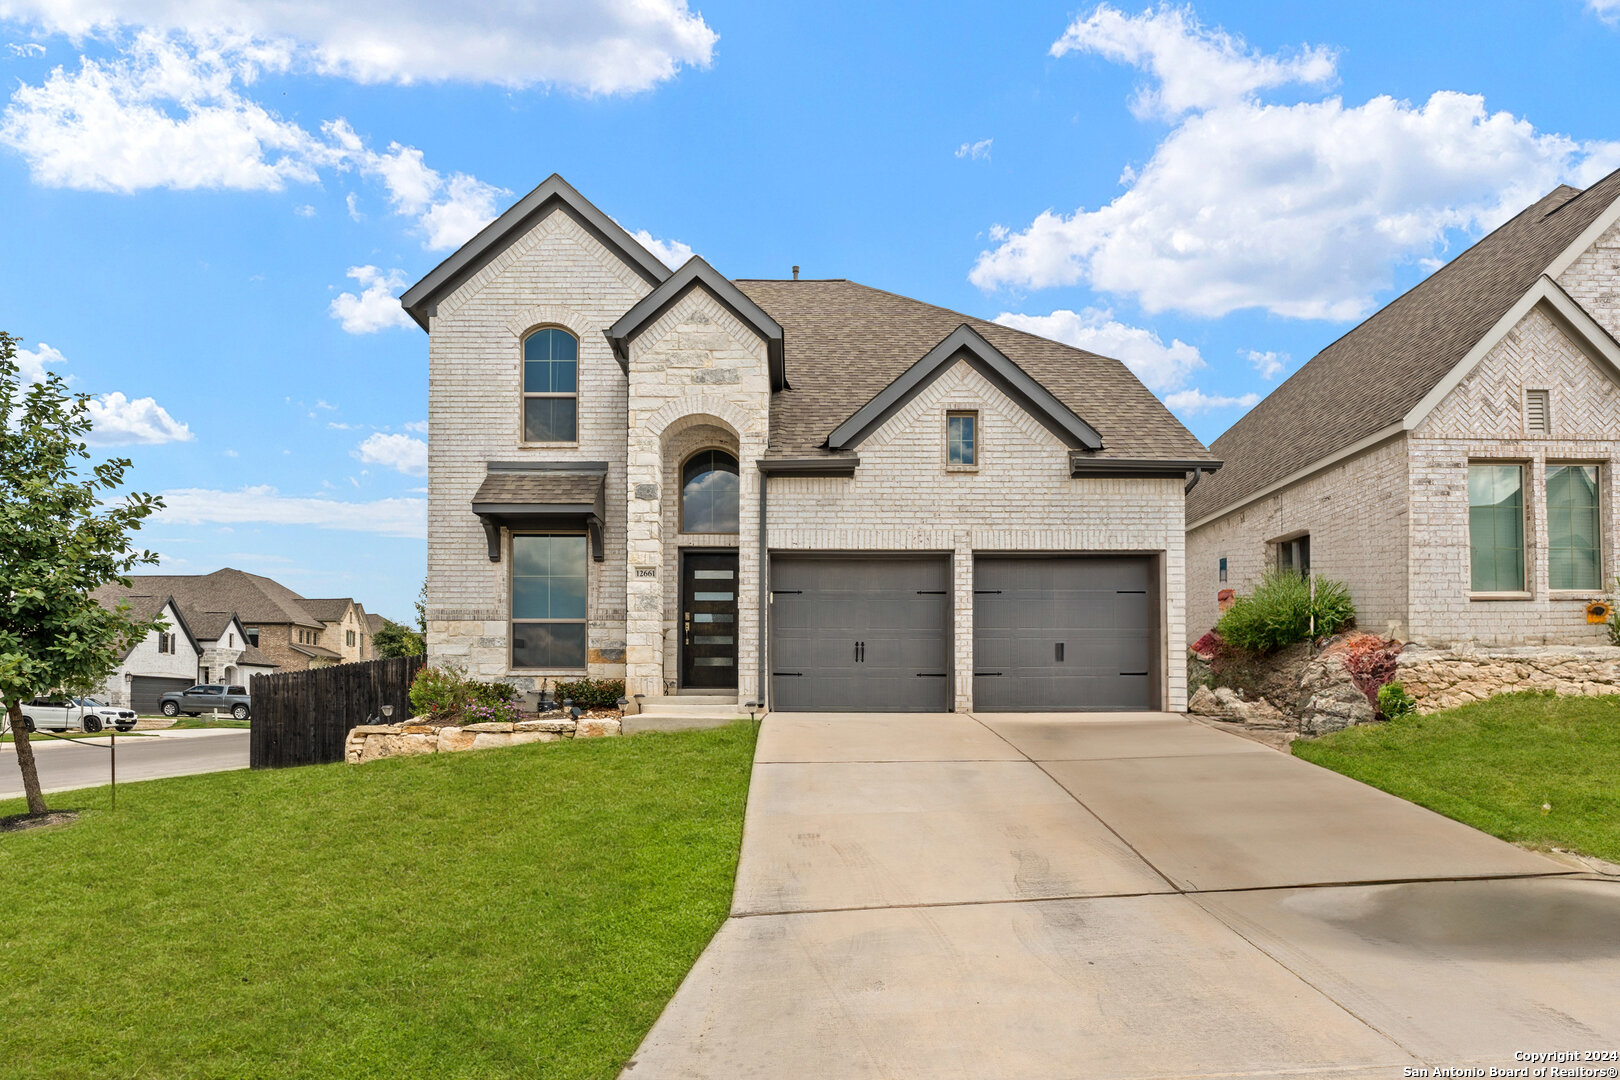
x,y
557,274
1356,514
1483,419
1020,499
144,659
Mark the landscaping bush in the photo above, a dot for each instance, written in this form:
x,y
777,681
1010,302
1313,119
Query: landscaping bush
x,y
592,693
1279,612
1370,660
447,694
1394,702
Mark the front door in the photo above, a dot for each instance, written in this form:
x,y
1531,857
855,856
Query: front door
x,y
709,620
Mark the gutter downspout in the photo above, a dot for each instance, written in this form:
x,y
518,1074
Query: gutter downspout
x,y
764,592
1198,474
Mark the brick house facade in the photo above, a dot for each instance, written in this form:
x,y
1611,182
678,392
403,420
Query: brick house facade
x,y
792,492
1502,367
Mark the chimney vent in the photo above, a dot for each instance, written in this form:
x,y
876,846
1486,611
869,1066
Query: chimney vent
x,y
795,273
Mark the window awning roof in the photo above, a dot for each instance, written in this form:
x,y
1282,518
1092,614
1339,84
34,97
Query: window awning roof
x,y
542,495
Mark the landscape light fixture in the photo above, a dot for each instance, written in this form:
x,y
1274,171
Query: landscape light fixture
x,y
387,711
753,707
621,703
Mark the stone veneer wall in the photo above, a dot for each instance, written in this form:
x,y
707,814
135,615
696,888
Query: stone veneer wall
x,y
1356,513
680,444
372,742
1021,498
1483,419
1445,678
555,275
696,367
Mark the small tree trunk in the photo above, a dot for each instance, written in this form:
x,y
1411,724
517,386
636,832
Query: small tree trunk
x,y
25,759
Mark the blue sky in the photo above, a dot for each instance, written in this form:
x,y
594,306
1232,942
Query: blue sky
x,y
210,203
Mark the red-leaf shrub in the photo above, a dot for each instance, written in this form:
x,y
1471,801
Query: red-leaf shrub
x,y
1205,646
1370,660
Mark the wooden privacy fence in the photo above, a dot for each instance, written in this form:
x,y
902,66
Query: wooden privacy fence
x,y
302,717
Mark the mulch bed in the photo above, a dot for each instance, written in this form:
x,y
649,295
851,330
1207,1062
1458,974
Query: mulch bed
x,y
19,822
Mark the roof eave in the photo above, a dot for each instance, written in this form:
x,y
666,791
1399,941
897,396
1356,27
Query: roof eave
x,y
1136,468
419,300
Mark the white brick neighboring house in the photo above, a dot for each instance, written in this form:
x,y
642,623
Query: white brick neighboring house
x,y
811,494
1454,458
160,661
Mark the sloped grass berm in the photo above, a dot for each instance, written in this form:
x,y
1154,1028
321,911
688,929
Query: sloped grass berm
x,y
520,914
1497,764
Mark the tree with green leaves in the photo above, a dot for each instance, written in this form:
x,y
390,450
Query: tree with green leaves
x,y
392,639
63,534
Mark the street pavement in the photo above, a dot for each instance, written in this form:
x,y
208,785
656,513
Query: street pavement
x,y
68,764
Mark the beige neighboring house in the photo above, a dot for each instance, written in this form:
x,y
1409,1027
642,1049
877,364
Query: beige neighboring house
x,y
348,629
1455,459
813,494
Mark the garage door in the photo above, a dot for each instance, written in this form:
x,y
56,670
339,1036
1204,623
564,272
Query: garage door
x,y
144,691
860,633
1055,633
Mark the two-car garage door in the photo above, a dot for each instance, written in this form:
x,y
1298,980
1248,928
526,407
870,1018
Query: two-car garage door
x,y
873,633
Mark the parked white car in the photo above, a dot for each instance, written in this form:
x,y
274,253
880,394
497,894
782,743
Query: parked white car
x,y
75,714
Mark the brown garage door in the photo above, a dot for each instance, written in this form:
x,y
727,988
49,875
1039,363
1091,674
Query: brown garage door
x,y
860,633
1053,633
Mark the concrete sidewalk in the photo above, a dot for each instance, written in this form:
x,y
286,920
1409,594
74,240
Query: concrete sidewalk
x,y
1128,896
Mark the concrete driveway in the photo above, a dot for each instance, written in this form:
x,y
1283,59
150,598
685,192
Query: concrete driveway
x,y
947,896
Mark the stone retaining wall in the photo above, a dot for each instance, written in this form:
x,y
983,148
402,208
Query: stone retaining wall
x,y
370,742
1444,678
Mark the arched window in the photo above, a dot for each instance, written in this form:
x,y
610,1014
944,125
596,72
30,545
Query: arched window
x,y
709,493
550,386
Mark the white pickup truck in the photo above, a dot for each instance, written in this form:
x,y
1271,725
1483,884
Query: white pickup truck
x,y
75,714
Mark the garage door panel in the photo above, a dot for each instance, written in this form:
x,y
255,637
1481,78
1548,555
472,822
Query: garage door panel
x,y
1102,610
897,608
145,691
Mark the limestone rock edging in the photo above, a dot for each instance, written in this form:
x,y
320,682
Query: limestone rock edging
x,y
371,742
1442,678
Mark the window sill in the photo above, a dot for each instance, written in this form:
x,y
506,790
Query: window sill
x,y
1580,596
549,673
1501,596
961,468
549,445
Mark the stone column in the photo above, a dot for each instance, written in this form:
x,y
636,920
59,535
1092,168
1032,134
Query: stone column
x,y
962,617
644,543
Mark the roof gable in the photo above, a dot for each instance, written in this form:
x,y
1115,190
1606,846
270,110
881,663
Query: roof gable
x,y
966,344
1369,384
696,273
421,299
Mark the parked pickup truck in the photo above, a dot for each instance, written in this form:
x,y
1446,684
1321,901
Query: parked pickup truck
x,y
207,697
75,714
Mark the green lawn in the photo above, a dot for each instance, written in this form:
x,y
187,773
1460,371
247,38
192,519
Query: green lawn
x,y
40,737
509,913
1494,764
188,722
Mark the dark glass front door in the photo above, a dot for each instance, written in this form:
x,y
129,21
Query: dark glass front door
x,y
709,620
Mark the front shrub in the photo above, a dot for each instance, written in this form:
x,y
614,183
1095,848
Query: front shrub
x,y
1370,660
592,693
1394,702
447,694
1279,612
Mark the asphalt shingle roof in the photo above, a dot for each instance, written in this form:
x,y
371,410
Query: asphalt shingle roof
x,y
209,600
327,610
1375,374
520,487
844,342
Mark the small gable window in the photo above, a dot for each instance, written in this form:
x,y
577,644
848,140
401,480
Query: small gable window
x,y
962,439
709,485
550,387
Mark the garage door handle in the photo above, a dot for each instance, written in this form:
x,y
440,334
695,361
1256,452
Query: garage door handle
x,y
787,592
930,592
788,674
986,674
930,674
986,592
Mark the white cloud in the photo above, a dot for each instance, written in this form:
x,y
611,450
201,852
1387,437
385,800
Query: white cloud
x,y
672,253
1300,209
1268,364
352,201
401,452
26,49
588,46
115,420
447,210
305,210
1162,367
119,421
1195,401
265,505
977,151
377,305
1607,10
418,426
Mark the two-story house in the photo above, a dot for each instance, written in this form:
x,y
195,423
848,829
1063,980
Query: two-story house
x,y
809,494
1454,459
348,628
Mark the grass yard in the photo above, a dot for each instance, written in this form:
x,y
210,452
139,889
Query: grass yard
x,y
40,737
511,913
186,723
1495,763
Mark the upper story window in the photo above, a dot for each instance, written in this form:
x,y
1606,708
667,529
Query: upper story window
x,y
709,487
349,636
1496,528
253,636
165,643
1574,527
962,439
550,387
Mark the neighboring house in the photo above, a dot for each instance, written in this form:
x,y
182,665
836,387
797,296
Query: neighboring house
x,y
244,624
348,630
374,623
809,493
164,660
1454,458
